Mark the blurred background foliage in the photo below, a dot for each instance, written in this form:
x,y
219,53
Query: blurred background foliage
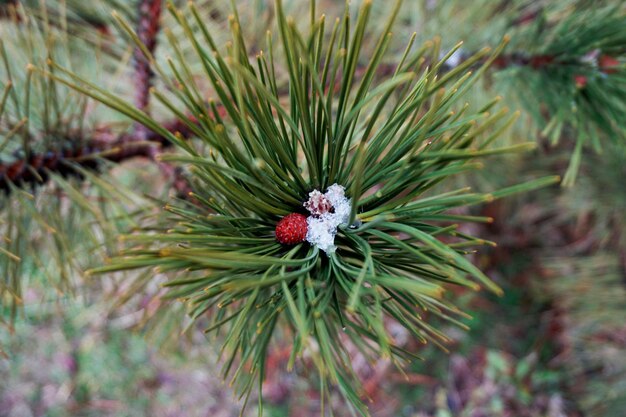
x,y
554,345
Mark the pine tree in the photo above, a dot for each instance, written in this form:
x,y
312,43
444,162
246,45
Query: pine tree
x,y
311,162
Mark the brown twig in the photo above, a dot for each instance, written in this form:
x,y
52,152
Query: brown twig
x,y
148,27
35,168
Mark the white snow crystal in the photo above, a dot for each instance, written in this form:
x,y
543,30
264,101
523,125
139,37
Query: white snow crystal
x,y
322,227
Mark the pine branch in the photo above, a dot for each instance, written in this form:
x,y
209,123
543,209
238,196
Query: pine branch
x,y
378,146
148,26
34,169
565,65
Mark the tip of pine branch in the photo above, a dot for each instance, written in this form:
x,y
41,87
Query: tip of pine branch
x,y
30,67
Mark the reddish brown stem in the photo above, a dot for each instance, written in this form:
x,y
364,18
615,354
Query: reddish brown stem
x,y
148,26
35,168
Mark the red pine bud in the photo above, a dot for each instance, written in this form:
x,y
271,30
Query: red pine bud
x,y
291,229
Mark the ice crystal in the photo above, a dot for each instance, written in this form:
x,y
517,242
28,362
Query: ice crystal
x,y
322,225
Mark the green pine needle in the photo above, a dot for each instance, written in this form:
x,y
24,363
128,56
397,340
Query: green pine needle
x,y
299,117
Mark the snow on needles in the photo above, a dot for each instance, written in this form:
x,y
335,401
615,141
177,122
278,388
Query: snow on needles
x,y
325,218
